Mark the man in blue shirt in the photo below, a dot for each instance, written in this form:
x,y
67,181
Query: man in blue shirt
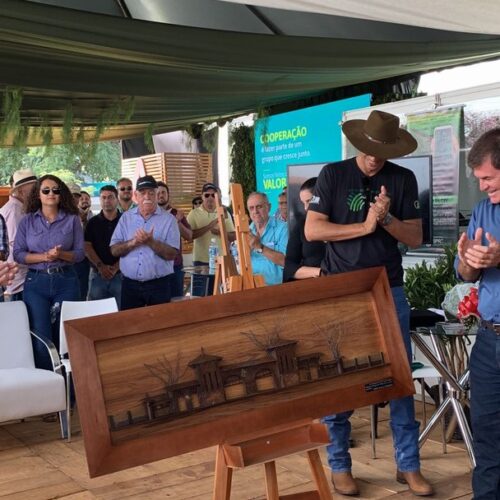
x,y
479,258
268,240
146,239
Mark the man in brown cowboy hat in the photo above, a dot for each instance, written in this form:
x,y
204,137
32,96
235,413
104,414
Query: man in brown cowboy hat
x,y
363,207
22,182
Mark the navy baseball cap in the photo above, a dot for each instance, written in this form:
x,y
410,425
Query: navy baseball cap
x,y
146,182
209,185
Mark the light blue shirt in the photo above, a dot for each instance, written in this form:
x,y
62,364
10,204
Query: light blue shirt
x,y
275,237
487,216
142,263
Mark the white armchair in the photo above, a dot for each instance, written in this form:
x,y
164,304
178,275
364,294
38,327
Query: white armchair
x,y
76,310
26,391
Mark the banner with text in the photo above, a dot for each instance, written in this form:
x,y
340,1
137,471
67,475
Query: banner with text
x,y
310,135
438,134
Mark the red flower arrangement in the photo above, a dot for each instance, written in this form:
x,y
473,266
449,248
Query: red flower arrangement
x,y
467,310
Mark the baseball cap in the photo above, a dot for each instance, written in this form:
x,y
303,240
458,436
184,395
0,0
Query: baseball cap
x,y
209,185
146,182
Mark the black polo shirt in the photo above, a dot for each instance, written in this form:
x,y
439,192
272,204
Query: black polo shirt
x,y
98,232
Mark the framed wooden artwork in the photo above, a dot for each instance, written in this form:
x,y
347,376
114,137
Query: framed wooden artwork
x,y
160,381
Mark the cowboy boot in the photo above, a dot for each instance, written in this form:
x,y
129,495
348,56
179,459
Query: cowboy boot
x,y
417,484
344,483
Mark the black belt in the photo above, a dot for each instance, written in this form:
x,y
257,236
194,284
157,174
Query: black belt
x,y
494,327
51,270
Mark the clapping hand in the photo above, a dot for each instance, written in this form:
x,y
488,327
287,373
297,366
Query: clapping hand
x,y
53,254
476,255
381,204
7,272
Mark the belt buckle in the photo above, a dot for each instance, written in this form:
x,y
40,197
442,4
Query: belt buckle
x,y
53,270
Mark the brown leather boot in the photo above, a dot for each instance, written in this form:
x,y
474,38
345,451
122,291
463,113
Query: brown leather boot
x,y
417,484
344,483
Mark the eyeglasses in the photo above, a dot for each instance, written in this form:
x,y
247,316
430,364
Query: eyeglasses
x,y
208,195
47,191
128,188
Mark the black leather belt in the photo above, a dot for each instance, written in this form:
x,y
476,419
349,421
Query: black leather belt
x,y
51,270
494,327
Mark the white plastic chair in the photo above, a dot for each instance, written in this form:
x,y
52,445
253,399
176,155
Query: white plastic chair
x,y
26,391
76,310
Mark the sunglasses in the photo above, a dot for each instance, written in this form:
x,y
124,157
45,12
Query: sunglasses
x,y
208,195
47,191
197,202
128,188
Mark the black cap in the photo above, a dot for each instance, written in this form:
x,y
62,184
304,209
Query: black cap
x,y
146,182
209,185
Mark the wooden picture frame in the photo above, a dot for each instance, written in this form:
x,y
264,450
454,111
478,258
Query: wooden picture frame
x,y
160,381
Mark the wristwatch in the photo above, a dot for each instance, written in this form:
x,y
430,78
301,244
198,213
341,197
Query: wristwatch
x,y
259,250
387,219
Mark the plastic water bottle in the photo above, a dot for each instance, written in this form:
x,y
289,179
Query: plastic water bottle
x,y
213,251
234,253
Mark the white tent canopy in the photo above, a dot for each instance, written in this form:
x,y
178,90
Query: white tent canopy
x,y
480,16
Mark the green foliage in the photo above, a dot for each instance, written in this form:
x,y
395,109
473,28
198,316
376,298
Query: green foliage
x,y
426,285
148,138
241,141
103,164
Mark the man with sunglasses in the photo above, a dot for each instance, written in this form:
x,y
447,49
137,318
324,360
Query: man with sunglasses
x,y
125,192
203,222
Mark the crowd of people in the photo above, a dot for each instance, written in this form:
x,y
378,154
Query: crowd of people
x,y
52,248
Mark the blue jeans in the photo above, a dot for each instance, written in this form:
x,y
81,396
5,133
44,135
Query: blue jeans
x,y
403,424
41,294
99,288
485,414
145,293
82,270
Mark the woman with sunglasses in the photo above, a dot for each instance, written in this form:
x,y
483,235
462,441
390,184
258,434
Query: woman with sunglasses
x,y
49,240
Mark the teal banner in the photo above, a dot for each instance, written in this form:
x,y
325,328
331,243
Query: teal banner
x,y
310,135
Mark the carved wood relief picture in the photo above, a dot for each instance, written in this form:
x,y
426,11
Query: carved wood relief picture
x,y
160,381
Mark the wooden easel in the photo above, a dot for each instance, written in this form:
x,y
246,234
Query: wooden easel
x,y
265,448
276,442
227,278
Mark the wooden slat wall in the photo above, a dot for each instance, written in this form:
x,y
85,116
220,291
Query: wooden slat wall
x,y
4,195
185,174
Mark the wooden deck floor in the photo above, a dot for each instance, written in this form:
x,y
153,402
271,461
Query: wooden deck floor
x,y
36,465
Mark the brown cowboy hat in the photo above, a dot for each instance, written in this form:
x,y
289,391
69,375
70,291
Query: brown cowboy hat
x,y
380,136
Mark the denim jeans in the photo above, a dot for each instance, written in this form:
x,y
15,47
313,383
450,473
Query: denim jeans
x,y
145,293
82,270
99,288
403,424
41,294
485,414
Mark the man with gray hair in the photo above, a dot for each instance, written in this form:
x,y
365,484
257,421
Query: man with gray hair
x,y
268,240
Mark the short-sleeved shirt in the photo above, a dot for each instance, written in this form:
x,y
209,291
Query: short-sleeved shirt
x,y
275,237
487,216
344,193
98,232
198,218
142,263
300,252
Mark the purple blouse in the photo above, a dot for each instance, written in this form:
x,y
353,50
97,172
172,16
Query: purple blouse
x,y
36,235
